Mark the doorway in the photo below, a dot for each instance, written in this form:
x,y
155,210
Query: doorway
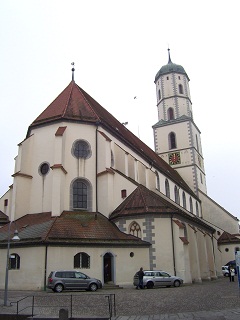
x,y
108,267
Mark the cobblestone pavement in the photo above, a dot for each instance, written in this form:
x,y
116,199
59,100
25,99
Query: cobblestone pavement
x,y
218,299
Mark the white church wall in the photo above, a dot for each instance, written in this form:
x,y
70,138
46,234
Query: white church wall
x,y
218,216
127,266
110,186
228,252
5,202
123,265
20,204
163,245
30,276
194,255
181,256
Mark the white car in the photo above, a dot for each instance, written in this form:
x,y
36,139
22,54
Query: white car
x,y
225,271
158,278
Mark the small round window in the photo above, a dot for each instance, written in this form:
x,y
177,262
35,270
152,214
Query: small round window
x,y
44,168
81,149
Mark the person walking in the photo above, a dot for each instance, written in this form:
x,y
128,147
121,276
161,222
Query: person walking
x,y
232,274
140,274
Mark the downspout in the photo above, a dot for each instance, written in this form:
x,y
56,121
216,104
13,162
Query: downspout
x,y
96,190
173,247
45,267
214,258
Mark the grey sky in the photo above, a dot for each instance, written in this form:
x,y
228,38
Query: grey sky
x,y
118,47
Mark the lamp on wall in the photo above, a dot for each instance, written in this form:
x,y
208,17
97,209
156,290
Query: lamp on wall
x,y
15,238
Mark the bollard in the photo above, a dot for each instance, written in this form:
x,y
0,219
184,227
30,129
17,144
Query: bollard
x,y
63,314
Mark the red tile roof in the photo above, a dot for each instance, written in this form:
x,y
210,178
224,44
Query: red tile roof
x,y
3,218
143,201
69,228
74,104
227,238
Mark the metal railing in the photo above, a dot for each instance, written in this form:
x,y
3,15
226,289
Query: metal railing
x,y
78,305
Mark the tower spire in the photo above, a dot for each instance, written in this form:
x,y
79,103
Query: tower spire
x,y
169,58
73,70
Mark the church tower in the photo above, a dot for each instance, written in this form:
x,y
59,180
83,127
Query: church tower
x,y
176,137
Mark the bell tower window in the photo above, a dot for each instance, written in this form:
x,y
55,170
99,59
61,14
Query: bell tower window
x,y
180,88
172,140
170,114
159,94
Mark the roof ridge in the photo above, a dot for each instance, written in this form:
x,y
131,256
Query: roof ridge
x,y
89,104
72,83
49,231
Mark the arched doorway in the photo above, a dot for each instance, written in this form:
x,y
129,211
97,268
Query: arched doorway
x,y
108,267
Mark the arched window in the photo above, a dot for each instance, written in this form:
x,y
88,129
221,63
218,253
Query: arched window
x,y
170,113
184,200
82,260
135,229
167,189
157,180
81,198
176,194
190,204
172,140
14,261
159,94
180,88
197,210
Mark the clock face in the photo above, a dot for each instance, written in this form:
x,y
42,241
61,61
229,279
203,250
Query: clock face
x,y
174,158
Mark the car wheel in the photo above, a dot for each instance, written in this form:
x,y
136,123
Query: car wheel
x,y
177,283
58,288
93,287
226,274
150,285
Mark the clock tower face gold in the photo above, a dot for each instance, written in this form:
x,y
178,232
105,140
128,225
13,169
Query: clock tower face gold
x,y
174,158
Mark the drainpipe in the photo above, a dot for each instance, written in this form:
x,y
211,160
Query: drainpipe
x,y
96,190
214,258
173,247
45,267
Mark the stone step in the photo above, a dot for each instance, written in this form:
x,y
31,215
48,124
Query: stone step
x,y
111,285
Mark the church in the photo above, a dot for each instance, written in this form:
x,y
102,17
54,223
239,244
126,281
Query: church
x,y
88,194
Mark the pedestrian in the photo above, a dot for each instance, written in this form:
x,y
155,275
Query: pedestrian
x,y
229,272
232,274
106,273
140,274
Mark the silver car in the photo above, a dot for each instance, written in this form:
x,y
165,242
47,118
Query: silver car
x,y
158,278
72,280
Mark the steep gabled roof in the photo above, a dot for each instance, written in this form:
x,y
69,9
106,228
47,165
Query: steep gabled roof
x,y
74,104
143,201
69,228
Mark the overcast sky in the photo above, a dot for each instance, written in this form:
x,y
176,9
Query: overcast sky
x,y
118,47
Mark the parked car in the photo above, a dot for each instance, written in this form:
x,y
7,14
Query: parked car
x,y
158,278
72,280
225,271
